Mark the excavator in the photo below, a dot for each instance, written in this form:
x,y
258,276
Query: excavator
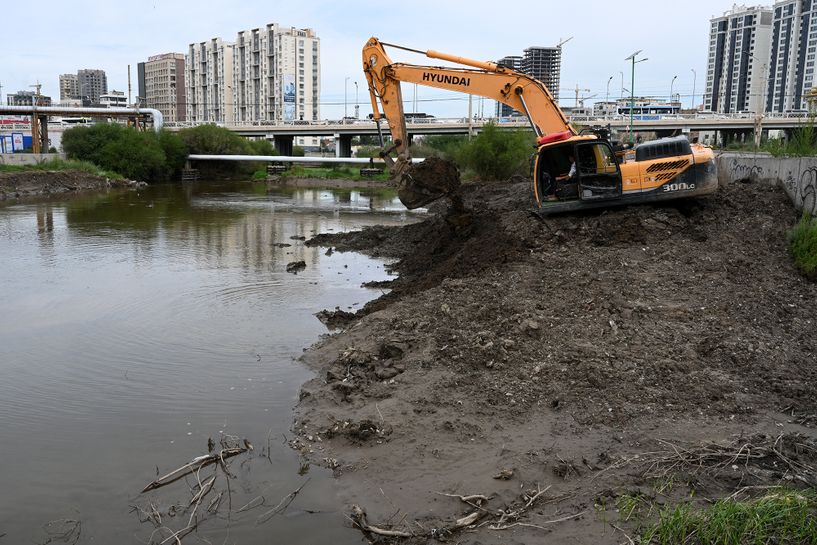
x,y
570,170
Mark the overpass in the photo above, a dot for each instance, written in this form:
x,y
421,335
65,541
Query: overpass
x,y
730,127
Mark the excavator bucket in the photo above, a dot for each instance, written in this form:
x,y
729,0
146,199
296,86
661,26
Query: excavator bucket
x,y
423,183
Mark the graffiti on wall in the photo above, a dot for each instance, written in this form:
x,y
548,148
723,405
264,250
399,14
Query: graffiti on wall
x,y
805,192
744,170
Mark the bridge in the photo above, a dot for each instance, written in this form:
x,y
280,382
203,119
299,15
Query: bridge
x,y
729,127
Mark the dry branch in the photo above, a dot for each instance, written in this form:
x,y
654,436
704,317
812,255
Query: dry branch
x,y
282,505
194,465
358,516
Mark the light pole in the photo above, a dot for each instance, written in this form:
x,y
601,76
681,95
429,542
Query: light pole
x,y
694,78
671,85
632,88
621,94
357,104
345,101
607,95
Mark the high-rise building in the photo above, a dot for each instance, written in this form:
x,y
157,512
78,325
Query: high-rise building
x,y
162,86
792,59
545,65
92,84
69,87
738,61
277,74
208,77
515,63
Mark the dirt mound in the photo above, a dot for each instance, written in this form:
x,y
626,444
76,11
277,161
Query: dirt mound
x,y
36,183
516,332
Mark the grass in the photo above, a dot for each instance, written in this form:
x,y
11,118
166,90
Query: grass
x,y
803,245
63,165
779,517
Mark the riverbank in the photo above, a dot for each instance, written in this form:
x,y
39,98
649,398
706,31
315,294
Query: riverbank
x,y
26,184
551,369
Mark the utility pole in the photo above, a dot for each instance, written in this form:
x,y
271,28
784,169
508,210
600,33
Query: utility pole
x,y
35,120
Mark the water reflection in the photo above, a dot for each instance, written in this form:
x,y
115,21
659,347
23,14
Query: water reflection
x,y
136,325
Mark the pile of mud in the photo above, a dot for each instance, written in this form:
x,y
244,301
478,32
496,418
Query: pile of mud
x,y
520,331
38,183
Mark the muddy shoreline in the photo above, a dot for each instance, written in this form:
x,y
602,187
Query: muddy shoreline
x,y
34,184
517,355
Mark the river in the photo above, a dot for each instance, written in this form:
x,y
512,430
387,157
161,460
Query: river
x,y
136,325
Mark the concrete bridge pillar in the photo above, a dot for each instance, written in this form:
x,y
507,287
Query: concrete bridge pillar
x,y
284,144
343,145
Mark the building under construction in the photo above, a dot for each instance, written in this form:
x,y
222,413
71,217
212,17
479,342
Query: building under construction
x,y
541,63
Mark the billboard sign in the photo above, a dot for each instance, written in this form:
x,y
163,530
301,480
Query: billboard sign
x,y
17,141
289,97
6,144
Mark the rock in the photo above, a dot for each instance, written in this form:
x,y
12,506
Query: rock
x,y
296,266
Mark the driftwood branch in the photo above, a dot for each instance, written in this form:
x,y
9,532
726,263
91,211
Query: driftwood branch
x,y
358,516
195,465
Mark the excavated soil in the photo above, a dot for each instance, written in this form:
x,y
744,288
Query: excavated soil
x,y
41,183
514,352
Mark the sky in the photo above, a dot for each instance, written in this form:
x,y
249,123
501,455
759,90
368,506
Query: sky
x,y
61,37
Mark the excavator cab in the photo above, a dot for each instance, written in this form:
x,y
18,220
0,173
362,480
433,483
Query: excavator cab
x,y
597,175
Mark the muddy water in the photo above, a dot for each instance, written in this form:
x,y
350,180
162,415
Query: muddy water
x,y
136,325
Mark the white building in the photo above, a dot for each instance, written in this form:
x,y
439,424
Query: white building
x,y
114,99
208,76
793,45
277,74
738,61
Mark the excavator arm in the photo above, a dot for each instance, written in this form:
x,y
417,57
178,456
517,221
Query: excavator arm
x,y
486,79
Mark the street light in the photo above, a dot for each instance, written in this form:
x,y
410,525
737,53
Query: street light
x,y
632,89
694,78
621,94
671,85
607,96
357,105
345,111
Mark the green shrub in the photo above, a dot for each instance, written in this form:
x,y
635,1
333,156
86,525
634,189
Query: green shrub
x,y
144,156
497,154
215,140
803,246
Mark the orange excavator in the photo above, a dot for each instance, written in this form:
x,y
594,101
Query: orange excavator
x,y
570,171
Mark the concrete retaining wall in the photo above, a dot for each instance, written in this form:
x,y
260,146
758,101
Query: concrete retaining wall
x,y
21,159
797,175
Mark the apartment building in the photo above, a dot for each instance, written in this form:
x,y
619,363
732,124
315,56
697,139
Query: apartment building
x,y
270,73
738,60
277,74
69,87
162,86
92,84
792,60
208,78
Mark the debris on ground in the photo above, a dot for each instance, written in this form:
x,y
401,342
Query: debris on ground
x,y
559,347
